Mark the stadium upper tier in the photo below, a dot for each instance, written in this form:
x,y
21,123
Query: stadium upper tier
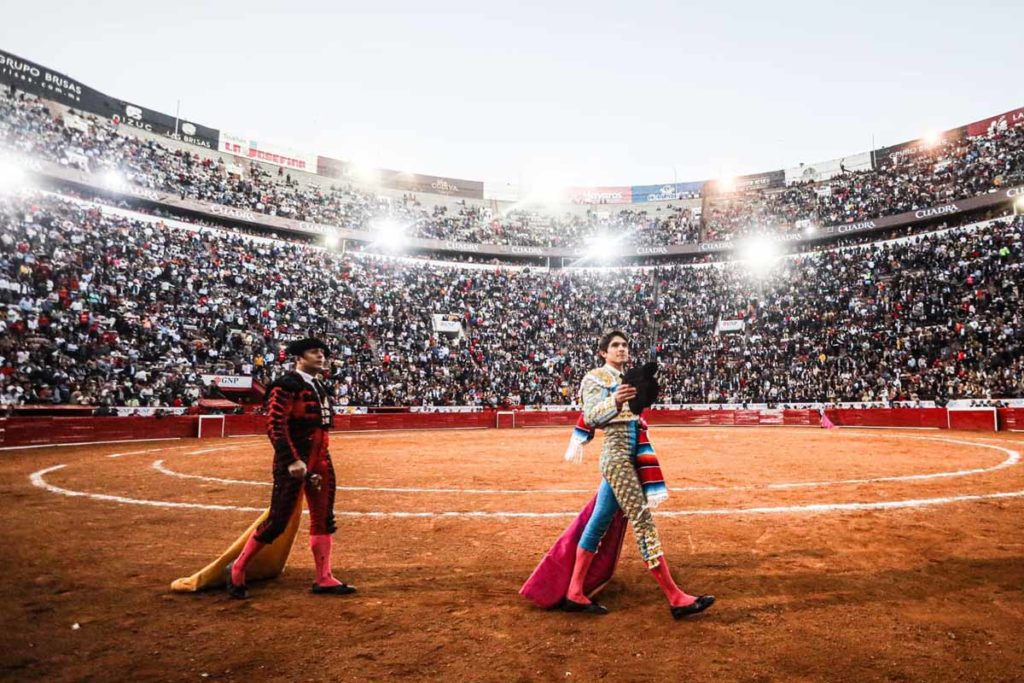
x,y
976,167
103,306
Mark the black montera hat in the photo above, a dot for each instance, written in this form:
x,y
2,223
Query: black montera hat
x,y
300,346
647,388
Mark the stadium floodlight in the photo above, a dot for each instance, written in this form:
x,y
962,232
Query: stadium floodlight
x,y
810,229
603,247
364,174
113,179
390,234
726,184
543,183
932,139
546,195
11,175
332,241
759,253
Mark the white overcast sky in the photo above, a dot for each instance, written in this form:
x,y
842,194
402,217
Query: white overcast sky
x,y
592,92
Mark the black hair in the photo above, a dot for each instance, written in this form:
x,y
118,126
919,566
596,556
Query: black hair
x,y
606,340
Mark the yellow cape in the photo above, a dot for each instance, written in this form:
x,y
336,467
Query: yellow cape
x,y
266,564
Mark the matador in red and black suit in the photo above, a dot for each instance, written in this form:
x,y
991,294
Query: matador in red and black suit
x,y
300,415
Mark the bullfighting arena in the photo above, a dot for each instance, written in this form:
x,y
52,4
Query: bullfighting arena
x,y
854,555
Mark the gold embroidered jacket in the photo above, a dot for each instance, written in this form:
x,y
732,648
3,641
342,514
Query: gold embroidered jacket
x,y
598,393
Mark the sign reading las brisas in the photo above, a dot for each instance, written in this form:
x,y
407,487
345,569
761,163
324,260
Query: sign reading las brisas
x,y
162,124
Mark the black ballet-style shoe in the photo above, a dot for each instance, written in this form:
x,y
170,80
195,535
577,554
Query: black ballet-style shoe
x,y
236,591
568,605
698,606
340,589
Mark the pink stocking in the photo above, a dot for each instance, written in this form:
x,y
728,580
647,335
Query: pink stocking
x,y
252,546
579,574
320,544
676,597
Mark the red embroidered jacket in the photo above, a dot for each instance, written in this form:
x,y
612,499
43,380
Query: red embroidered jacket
x,y
296,423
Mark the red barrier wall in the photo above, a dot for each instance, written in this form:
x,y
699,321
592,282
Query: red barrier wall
x,y
414,421
29,431
930,418
685,418
1011,419
974,420
733,418
240,425
32,431
536,418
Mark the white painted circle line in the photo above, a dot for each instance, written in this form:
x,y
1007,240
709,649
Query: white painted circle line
x,y
85,443
163,469
846,507
1012,458
121,455
159,466
38,480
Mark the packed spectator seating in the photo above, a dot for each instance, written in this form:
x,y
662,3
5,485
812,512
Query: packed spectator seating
x,y
29,126
953,169
779,212
99,309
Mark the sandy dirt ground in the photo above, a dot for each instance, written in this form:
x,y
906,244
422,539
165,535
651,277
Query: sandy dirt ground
x,y
818,575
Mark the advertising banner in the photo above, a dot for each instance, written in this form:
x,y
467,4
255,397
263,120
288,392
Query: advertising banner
x,y
36,79
270,154
894,155
282,156
996,124
432,184
333,168
161,124
124,411
666,192
228,381
760,181
745,183
448,326
929,213
600,195
824,170
730,326
501,191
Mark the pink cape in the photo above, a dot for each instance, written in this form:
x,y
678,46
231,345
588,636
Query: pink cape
x,y
549,582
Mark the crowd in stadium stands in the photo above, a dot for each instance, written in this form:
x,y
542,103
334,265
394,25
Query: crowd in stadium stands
x,y
95,145
783,211
102,310
921,177
952,169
